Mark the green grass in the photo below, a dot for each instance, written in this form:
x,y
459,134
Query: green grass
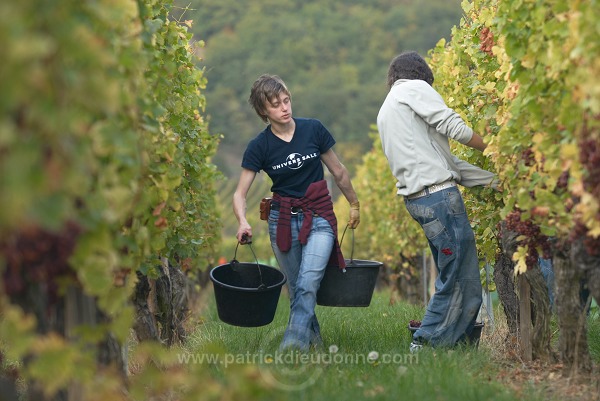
x,y
594,334
462,374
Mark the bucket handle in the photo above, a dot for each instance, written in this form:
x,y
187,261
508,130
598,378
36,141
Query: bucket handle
x,y
342,240
262,285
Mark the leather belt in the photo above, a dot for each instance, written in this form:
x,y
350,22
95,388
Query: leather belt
x,y
294,209
431,189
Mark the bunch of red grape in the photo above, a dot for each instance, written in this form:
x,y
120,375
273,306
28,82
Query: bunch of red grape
x,y
563,180
528,157
414,323
38,257
592,245
589,155
486,40
534,239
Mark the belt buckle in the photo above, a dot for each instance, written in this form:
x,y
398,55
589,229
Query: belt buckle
x,y
292,211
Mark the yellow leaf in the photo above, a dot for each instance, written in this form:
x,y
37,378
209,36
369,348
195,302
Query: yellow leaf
x,y
528,61
54,363
520,267
577,188
519,257
490,86
17,330
537,138
569,151
594,231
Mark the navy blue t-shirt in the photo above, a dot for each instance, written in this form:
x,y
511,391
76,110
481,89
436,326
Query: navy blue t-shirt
x,y
293,165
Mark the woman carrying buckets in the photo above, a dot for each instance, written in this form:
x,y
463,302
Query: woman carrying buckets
x,y
302,224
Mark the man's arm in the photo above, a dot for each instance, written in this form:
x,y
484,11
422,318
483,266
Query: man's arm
x,y
476,142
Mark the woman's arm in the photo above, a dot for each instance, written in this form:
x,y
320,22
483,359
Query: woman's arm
x,y
342,180
239,204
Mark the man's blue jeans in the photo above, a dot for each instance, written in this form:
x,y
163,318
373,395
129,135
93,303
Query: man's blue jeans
x,y
453,308
304,266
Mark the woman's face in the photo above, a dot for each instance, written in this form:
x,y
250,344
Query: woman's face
x,y
279,110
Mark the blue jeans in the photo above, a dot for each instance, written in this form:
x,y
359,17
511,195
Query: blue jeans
x,y
304,266
548,274
452,310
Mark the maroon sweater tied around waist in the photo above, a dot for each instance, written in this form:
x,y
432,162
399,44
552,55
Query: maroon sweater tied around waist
x,y
317,201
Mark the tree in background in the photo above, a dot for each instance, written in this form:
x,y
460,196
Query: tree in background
x,y
334,53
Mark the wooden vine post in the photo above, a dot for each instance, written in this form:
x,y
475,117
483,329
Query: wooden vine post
x,y
524,317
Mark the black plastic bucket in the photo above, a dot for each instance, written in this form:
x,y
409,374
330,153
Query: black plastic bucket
x,y
246,293
354,287
351,287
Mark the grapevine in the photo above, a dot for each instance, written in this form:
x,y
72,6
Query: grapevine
x,y
530,236
104,168
523,76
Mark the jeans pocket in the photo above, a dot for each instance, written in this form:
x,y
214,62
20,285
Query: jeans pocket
x,y
440,239
321,225
433,228
455,202
419,212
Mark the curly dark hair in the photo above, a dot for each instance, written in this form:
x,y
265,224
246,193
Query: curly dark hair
x,y
409,65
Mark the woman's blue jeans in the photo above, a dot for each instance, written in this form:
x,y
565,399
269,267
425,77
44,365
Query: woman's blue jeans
x,y
452,310
304,266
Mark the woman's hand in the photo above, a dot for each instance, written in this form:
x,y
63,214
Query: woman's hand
x,y
244,234
354,215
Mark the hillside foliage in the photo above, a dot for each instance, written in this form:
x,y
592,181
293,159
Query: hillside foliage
x,y
332,54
